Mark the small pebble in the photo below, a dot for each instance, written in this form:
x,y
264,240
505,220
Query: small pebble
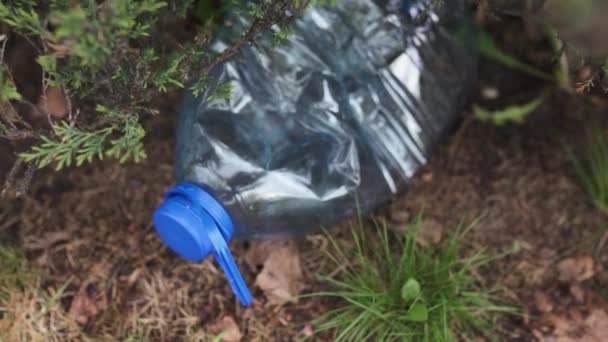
x,y
490,93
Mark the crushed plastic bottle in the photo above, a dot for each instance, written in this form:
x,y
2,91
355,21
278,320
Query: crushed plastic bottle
x,y
343,112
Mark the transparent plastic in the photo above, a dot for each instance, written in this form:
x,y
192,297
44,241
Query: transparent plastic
x,y
346,109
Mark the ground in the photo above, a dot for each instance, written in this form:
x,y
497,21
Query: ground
x,y
89,229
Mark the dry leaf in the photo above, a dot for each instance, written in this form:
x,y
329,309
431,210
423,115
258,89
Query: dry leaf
x,y
427,177
59,50
592,328
258,253
576,269
490,92
534,275
430,233
47,240
597,322
308,331
82,307
281,277
56,104
538,334
578,293
560,324
8,112
543,302
134,277
228,330
546,254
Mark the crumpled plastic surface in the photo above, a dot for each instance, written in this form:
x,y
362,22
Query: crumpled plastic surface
x,y
334,120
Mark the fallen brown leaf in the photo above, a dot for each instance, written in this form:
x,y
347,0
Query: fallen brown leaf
x,y
258,253
490,92
82,307
546,254
47,240
427,177
228,330
535,275
543,302
134,277
8,112
560,324
576,269
578,293
597,322
281,277
55,103
430,232
59,49
308,331
592,328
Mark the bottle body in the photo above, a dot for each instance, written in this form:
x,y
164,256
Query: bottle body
x,y
334,120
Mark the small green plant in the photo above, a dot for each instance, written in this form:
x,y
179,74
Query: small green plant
x,y
409,293
74,144
107,60
510,114
591,165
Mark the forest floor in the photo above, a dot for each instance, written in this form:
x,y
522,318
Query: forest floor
x,y
107,276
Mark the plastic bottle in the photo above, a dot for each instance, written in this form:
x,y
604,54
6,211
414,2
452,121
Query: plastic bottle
x,y
346,108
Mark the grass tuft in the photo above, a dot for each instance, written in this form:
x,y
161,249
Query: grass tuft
x,y
591,166
32,312
28,313
408,293
15,272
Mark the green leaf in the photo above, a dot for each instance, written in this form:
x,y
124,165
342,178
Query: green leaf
x,y
101,108
222,92
48,63
23,19
73,144
410,290
418,313
8,91
151,6
4,12
199,86
280,35
171,74
255,10
516,113
70,23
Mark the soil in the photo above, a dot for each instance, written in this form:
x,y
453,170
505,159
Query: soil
x,y
90,226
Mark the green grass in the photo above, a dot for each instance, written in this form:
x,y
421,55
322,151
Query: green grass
x,y
591,165
15,272
28,313
510,114
407,293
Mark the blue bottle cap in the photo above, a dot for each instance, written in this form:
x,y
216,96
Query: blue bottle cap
x,y
194,224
